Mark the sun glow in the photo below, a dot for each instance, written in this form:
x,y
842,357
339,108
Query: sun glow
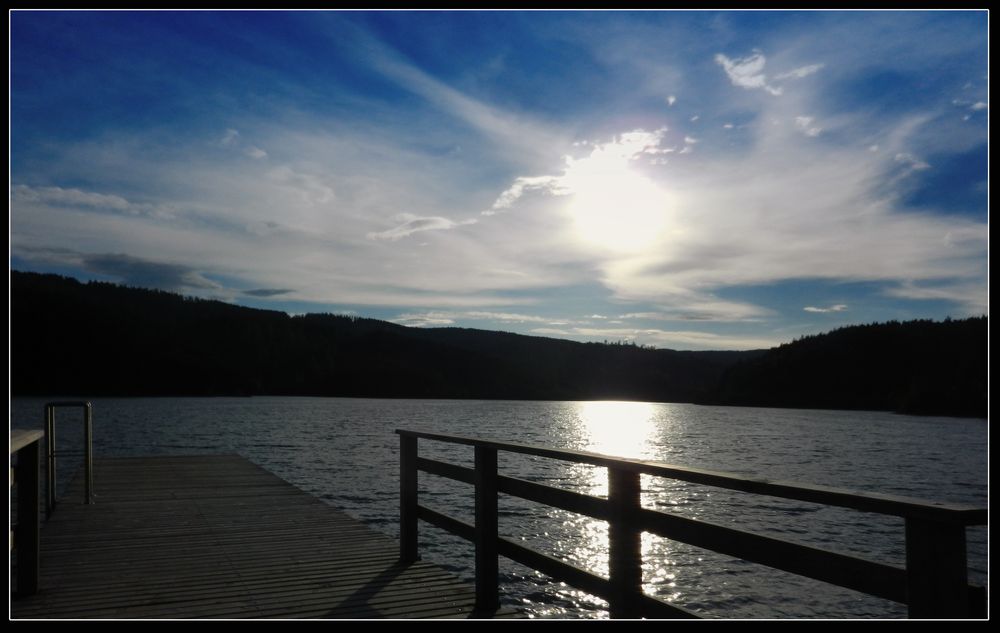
x,y
613,205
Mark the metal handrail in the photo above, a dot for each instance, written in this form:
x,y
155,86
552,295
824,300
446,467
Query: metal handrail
x,y
51,454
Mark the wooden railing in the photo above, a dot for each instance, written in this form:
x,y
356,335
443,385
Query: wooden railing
x,y
26,446
934,583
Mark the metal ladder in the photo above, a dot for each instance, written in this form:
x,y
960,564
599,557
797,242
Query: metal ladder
x,y
51,454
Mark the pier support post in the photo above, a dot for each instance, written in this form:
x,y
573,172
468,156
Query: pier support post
x,y
625,547
936,570
26,535
487,564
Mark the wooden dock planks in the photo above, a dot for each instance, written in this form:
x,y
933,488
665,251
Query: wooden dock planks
x,y
219,537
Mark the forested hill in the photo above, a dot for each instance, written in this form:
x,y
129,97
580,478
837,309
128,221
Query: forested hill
x,y
100,339
920,367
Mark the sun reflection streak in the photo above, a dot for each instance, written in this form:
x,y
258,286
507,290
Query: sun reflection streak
x,y
630,430
620,429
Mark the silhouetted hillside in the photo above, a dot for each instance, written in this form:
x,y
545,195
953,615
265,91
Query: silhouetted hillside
x,y
103,339
920,367
100,339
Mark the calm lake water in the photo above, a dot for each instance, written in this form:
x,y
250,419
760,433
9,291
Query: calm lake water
x,y
345,451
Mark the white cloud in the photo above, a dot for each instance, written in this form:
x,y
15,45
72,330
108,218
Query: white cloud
x,y
311,188
840,307
410,224
427,319
786,210
972,298
979,105
727,126
775,211
507,317
799,73
72,197
229,138
256,152
805,125
514,131
690,140
522,185
671,100
439,318
695,118
747,72
673,339
911,161
694,306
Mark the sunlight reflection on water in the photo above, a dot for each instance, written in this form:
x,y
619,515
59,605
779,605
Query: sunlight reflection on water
x,y
623,429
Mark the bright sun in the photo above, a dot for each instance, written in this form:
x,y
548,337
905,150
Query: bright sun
x,y
615,207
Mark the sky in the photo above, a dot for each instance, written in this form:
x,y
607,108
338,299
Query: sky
x,y
708,180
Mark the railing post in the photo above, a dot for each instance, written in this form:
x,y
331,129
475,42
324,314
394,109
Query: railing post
x,y
487,564
936,570
408,499
26,533
625,547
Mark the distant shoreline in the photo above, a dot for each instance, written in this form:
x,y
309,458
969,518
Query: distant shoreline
x,y
101,339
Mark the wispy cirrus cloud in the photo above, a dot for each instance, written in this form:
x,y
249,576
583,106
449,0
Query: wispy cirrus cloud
x,y
268,292
438,318
410,224
748,72
972,297
800,73
229,137
73,197
683,339
805,125
840,307
522,185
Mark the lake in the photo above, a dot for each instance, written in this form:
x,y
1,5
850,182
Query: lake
x,y
345,452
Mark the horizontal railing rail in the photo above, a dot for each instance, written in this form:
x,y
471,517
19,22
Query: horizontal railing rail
x,y
933,584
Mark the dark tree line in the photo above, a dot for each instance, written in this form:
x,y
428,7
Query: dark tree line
x,y
101,339
104,339
919,367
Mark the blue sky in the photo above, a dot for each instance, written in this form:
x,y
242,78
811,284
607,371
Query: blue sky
x,y
681,179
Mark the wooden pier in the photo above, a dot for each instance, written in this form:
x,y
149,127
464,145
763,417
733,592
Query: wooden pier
x,y
219,537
